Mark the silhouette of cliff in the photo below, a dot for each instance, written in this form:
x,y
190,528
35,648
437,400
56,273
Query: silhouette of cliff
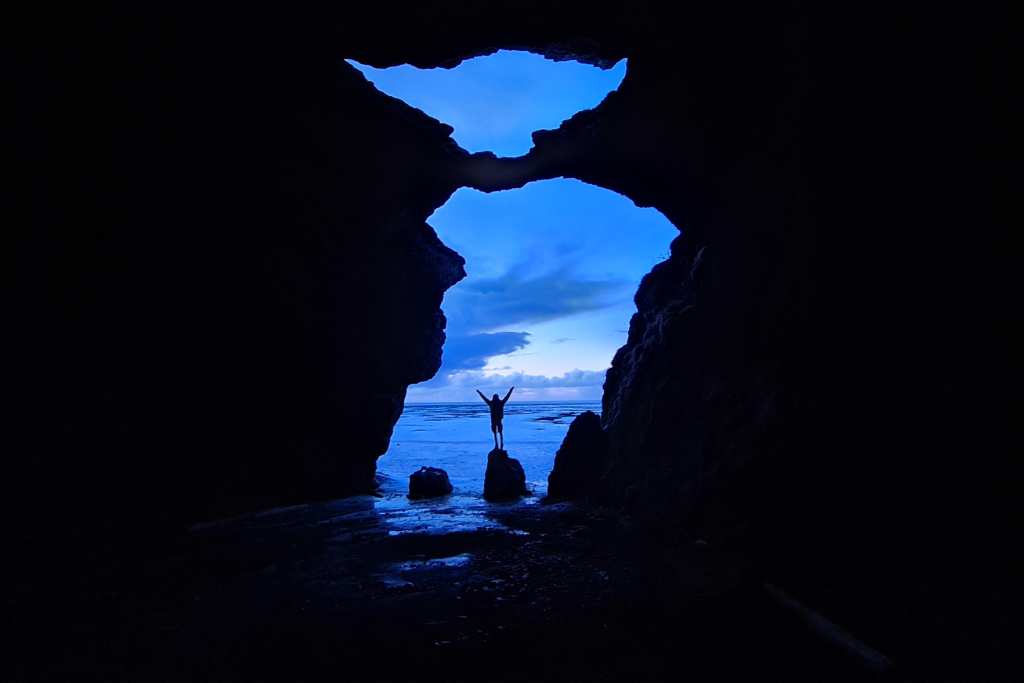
x,y
225,282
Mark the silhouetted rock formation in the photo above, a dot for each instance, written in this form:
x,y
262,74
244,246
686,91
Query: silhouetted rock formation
x,y
226,283
505,478
265,287
581,459
429,482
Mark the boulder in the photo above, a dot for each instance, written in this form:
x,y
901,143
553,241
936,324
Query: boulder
x,y
580,460
505,478
429,482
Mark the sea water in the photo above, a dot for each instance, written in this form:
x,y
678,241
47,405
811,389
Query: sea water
x,y
452,436
457,437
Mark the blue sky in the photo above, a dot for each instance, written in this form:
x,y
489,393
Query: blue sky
x,y
495,102
551,267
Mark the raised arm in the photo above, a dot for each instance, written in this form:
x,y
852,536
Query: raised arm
x,y
483,397
505,400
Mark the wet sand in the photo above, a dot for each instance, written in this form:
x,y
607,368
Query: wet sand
x,y
345,590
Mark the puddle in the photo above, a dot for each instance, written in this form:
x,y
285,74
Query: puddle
x,y
461,560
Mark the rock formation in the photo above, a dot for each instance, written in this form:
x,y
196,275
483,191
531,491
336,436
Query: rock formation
x,y
429,482
240,319
504,478
581,460
225,282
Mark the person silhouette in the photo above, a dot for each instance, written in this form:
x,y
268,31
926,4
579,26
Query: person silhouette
x,y
497,406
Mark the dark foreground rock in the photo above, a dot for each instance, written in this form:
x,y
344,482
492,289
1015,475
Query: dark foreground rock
x,y
429,482
291,594
580,459
505,478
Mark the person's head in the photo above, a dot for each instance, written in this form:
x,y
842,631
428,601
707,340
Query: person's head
x,y
494,398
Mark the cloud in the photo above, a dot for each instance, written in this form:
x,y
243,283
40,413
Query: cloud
x,y
464,352
478,305
573,378
562,340
468,352
519,296
462,386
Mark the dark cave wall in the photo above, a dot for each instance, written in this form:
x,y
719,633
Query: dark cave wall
x,y
820,374
227,282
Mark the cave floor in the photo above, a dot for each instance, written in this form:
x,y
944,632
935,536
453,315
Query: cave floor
x,y
541,592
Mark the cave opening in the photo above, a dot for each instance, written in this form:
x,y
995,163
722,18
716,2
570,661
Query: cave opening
x,y
551,273
551,268
494,102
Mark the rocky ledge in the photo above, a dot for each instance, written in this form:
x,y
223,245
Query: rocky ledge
x,y
505,478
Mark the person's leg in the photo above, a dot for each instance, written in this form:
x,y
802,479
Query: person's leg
x,y
501,433
494,432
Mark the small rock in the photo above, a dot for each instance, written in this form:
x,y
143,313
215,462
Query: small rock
x,y
580,460
505,478
429,482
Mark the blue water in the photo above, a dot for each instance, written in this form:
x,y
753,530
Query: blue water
x,y
453,436
457,437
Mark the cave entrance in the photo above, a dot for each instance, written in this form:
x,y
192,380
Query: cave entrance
x,y
551,272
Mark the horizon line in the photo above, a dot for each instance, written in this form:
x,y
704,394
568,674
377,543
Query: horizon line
x,y
554,400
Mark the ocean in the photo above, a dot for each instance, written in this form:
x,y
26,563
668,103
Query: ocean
x,y
457,437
